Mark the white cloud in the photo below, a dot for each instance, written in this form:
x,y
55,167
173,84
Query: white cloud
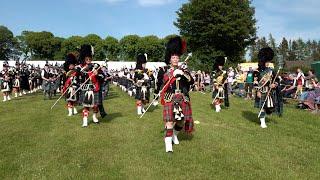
x,y
143,3
154,2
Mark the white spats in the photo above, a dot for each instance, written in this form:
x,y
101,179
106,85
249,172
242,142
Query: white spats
x,y
4,98
168,144
75,110
8,98
139,110
85,122
263,123
70,111
20,94
218,108
175,139
94,118
15,94
155,103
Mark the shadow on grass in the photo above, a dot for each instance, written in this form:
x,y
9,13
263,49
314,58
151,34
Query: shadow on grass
x,y
182,136
253,117
250,116
110,117
185,136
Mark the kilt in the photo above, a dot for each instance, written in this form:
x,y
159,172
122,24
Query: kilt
x,y
45,85
168,114
140,96
70,92
5,86
275,100
89,101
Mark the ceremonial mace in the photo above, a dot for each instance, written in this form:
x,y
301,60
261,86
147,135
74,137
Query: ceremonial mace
x,y
155,98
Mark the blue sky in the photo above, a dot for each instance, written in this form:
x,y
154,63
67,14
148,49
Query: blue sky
x,y
289,18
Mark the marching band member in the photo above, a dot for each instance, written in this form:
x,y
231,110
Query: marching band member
x,y
5,82
268,97
141,80
175,82
16,89
71,83
90,90
220,87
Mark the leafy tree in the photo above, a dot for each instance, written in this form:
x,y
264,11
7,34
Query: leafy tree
x,y
111,48
96,41
7,43
43,45
151,45
72,44
23,46
128,46
217,27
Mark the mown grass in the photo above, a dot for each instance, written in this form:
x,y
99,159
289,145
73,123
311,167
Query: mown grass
x,y
37,143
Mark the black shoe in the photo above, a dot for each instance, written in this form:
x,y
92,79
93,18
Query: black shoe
x,y
97,122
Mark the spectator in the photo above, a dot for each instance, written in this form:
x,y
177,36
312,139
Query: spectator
x,y
299,82
240,81
311,76
230,80
249,83
207,80
289,87
308,98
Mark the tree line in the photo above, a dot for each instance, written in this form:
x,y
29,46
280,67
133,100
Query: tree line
x,y
287,50
45,46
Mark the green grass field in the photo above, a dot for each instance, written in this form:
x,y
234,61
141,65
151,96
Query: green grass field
x,y
37,143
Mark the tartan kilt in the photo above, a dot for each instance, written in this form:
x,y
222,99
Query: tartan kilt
x,y
89,102
258,103
139,95
221,94
168,114
45,85
70,91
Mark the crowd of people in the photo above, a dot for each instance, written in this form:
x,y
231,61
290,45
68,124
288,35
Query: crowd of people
x,y
296,85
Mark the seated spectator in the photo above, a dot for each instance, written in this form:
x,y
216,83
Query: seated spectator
x,y
311,76
308,98
289,88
